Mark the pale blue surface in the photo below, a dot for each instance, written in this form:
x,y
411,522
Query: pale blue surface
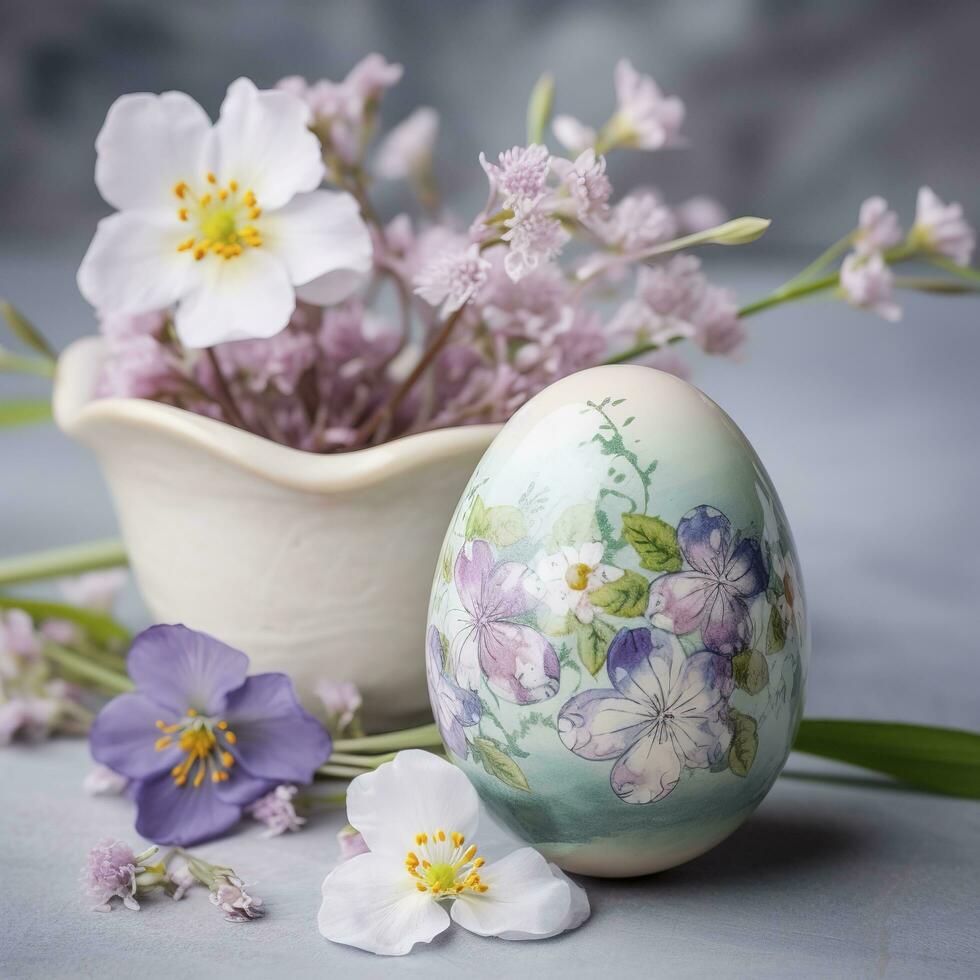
x,y
869,433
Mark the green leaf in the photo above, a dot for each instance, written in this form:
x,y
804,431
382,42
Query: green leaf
x,y
59,562
22,328
626,597
575,525
24,412
16,364
593,644
750,670
539,107
776,633
654,540
505,525
944,760
100,626
500,765
745,742
476,523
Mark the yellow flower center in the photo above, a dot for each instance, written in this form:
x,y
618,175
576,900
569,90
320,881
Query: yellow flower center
x,y
577,576
205,744
223,215
443,867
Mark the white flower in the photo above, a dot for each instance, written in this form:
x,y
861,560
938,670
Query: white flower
x,y
867,282
422,820
571,575
451,278
878,228
573,134
407,150
225,221
646,118
942,228
534,236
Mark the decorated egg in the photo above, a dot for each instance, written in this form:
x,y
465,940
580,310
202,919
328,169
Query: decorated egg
x,y
617,640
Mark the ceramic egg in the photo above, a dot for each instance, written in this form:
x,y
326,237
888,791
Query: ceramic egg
x,y
617,640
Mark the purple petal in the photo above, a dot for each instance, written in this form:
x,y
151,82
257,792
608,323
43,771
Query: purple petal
x,y
473,565
727,627
601,724
453,706
704,536
648,771
244,788
746,571
181,815
274,737
678,601
506,593
180,669
644,665
519,663
700,709
123,737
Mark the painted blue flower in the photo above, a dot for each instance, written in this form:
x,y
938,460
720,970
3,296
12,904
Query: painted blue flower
x,y
454,707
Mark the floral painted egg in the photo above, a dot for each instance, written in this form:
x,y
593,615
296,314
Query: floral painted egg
x,y
617,639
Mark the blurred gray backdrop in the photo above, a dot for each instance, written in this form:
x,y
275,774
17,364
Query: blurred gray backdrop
x,y
795,110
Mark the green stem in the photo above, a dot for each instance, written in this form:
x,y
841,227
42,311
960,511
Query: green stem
x,y
361,761
83,667
60,562
817,265
423,737
966,271
783,295
340,772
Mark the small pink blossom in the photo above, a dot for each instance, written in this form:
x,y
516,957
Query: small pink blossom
x,y
18,641
669,361
638,221
674,287
138,369
717,328
103,781
228,895
521,173
277,362
95,590
351,843
534,236
60,631
114,871
28,717
371,76
878,227
120,328
406,152
573,134
588,185
867,283
452,278
699,213
276,811
341,699
942,228
649,119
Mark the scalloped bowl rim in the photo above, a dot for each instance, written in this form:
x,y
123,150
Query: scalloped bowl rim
x,y
77,413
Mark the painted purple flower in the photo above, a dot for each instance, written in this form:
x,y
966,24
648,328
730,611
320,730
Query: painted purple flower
x,y
198,739
665,712
726,574
519,663
454,707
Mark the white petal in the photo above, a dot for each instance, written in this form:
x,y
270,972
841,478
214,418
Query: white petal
x,y
417,792
590,554
324,243
133,266
373,904
524,896
243,298
263,143
147,144
579,909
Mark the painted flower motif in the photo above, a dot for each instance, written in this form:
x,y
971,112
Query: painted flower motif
x,y
789,602
571,575
425,829
648,119
454,707
520,665
200,740
225,221
725,575
664,713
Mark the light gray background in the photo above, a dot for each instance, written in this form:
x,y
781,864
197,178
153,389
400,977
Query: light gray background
x,y
868,429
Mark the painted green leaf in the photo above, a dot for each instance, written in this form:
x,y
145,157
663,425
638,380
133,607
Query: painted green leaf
x,y
654,540
745,742
943,760
750,670
24,411
593,644
626,597
776,634
476,523
505,525
500,765
575,525
444,643
446,565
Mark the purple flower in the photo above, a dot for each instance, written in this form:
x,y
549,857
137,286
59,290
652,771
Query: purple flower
x,y
198,739
665,712
454,707
519,663
726,574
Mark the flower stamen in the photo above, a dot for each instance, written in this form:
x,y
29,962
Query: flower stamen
x,y
445,869
198,738
217,214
